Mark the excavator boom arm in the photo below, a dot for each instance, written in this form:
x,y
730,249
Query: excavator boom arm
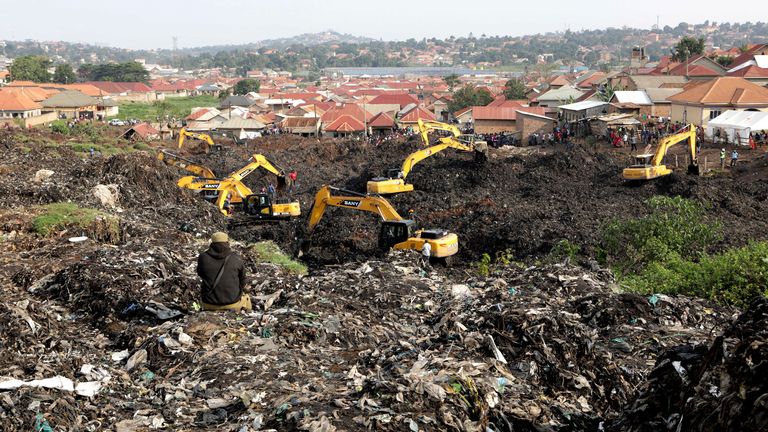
x,y
426,126
185,164
184,134
666,143
422,154
372,204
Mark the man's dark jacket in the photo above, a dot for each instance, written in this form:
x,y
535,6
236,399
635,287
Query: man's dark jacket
x,y
230,286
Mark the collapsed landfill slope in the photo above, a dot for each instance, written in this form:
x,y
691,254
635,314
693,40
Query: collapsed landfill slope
x,y
721,387
522,203
102,334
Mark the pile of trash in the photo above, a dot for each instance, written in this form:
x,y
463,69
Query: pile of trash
x,y
380,344
722,386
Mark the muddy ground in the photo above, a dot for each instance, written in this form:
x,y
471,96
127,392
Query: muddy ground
x,y
524,203
365,341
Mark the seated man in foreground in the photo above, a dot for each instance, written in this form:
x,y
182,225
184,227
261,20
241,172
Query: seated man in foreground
x,y
223,275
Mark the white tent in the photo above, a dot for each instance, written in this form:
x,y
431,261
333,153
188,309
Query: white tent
x,y
737,125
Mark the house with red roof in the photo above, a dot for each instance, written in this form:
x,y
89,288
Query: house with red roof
x,y
703,102
752,65
413,115
699,67
17,106
353,110
382,123
400,99
344,126
141,132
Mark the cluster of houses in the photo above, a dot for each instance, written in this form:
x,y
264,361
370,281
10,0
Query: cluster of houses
x,y
698,90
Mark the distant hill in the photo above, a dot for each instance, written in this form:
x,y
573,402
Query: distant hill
x,y
305,39
314,52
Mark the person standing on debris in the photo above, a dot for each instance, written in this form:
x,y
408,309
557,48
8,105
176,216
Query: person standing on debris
x,y
271,191
426,253
223,277
292,180
722,158
734,158
633,141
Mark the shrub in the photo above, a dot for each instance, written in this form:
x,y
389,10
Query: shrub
x,y
60,126
735,277
563,250
488,264
87,129
675,227
268,251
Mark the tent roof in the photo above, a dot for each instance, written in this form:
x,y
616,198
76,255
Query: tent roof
x,y
755,120
638,97
584,105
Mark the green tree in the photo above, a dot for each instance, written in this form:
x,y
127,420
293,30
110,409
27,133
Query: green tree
x,y
687,48
469,95
246,86
161,107
64,74
605,92
724,60
125,72
514,89
452,81
30,68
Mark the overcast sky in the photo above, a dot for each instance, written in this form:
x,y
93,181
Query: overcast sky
x,y
152,24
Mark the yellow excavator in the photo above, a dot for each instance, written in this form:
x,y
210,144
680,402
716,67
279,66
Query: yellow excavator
x,y
394,182
650,166
184,134
396,232
229,191
171,159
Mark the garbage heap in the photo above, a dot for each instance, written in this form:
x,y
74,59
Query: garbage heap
x,y
381,345
720,387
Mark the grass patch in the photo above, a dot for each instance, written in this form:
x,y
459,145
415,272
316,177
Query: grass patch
x,y
58,216
172,107
268,251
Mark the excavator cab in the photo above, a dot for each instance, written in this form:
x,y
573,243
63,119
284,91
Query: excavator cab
x,y
394,232
261,206
258,205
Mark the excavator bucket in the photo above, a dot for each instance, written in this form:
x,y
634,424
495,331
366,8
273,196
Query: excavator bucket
x,y
694,169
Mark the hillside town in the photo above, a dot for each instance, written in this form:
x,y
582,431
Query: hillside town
x,y
696,90
557,232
